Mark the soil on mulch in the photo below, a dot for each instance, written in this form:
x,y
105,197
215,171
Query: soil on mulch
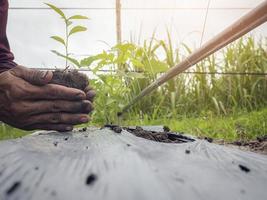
x,y
70,78
258,145
166,136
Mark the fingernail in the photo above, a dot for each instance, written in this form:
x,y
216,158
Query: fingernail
x,y
84,119
80,95
68,128
44,74
88,107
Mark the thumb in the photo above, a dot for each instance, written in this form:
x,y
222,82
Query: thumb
x,y
33,76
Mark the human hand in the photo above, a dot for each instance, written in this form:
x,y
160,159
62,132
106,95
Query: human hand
x,y
28,102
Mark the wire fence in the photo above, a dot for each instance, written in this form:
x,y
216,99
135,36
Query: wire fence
x,y
186,72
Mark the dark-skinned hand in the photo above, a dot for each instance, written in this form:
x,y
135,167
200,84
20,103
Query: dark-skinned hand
x,y
29,102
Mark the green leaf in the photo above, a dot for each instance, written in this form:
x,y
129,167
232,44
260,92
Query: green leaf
x,y
155,66
135,75
59,39
78,17
86,62
74,61
57,10
77,29
110,101
136,62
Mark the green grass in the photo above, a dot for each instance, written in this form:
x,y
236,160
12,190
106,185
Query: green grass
x,y
8,132
243,126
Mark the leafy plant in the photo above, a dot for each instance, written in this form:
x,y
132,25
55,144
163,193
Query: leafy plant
x,y
70,30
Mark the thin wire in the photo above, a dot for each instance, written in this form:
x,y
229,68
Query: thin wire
x,y
188,72
111,8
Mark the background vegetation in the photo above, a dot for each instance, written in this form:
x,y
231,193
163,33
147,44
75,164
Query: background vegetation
x,y
223,96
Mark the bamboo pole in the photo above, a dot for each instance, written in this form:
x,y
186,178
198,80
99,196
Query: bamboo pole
x,y
118,20
248,22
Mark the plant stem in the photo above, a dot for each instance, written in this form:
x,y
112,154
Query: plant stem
x,y
67,43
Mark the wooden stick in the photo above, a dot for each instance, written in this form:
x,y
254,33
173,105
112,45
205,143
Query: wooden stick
x,y
248,22
118,20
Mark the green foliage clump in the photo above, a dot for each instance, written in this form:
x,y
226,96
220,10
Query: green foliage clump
x,y
199,92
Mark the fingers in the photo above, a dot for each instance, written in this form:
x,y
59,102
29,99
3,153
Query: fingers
x,y
55,106
53,91
32,76
90,93
57,118
48,127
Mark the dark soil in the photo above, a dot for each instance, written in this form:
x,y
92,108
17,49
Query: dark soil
x,y
208,139
13,188
166,136
55,143
187,151
258,145
83,129
115,128
244,168
91,178
70,78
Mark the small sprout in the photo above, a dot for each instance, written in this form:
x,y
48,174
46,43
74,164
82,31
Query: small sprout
x,y
70,29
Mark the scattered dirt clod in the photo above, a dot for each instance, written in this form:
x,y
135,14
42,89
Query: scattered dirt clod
x,y
66,138
210,140
115,128
166,129
13,188
55,143
244,168
83,129
91,178
187,151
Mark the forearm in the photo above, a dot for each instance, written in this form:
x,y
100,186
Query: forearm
x,y
6,56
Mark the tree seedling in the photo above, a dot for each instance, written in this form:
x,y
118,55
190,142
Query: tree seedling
x,y
70,30
68,78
